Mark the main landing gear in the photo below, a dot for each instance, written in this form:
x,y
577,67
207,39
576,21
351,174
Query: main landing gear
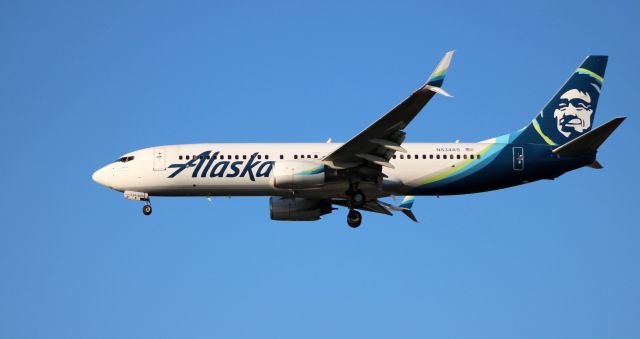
x,y
356,199
354,218
146,209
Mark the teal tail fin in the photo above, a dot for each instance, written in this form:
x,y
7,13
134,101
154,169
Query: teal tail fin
x,y
571,111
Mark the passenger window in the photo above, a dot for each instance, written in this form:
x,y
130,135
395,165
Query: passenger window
x,y
237,157
180,157
471,156
266,157
458,156
187,157
281,156
430,156
444,156
464,156
478,156
315,156
394,156
259,156
437,156
416,156
424,156
295,156
244,157
401,156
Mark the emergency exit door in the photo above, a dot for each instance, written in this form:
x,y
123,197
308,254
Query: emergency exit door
x,y
518,159
159,159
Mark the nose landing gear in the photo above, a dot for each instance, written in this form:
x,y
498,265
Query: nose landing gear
x,y
140,196
146,209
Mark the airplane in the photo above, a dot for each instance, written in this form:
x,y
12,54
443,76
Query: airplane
x,y
307,180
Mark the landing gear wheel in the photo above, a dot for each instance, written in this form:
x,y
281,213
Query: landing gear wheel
x,y
146,209
354,218
357,198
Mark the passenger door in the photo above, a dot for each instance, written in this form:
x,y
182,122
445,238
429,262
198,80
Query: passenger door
x,y
159,159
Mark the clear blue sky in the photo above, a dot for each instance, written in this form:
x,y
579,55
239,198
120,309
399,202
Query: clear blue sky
x,y
82,83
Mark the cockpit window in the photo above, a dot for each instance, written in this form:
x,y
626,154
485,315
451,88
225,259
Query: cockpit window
x,y
125,159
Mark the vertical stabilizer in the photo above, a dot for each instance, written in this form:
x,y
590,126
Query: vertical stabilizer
x,y
571,111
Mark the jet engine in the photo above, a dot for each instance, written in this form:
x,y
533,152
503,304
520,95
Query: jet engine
x,y
298,209
298,174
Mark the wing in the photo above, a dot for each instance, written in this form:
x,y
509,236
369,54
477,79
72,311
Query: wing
x,y
378,142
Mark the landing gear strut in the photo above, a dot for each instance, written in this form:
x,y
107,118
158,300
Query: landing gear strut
x,y
357,198
354,218
146,209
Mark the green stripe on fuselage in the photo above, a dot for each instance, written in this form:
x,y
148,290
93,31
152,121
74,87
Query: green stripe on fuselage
x,y
456,169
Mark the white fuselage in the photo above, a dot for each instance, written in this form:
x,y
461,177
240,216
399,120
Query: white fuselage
x,y
229,170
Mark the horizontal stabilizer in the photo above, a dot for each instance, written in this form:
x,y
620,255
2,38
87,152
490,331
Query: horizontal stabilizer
x,y
589,142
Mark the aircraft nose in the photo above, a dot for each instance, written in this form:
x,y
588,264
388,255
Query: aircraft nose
x,y
101,176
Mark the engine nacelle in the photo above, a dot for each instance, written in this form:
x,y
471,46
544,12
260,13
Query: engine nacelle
x,y
297,209
298,174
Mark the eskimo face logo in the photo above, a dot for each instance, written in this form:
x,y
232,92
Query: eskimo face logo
x,y
573,113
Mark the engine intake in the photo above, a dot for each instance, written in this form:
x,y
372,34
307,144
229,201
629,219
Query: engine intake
x,y
298,209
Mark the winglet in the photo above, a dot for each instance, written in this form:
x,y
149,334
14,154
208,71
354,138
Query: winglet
x,y
438,90
404,207
437,77
407,202
596,165
410,214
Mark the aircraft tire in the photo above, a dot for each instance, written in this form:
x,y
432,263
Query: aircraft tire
x,y
146,209
354,219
